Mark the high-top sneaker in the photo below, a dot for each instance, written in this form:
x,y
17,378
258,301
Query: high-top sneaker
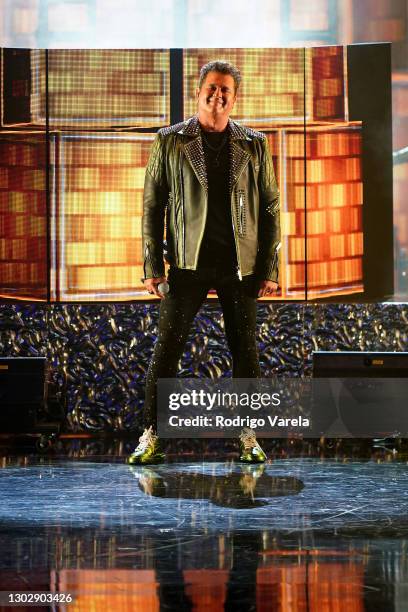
x,y
148,450
250,451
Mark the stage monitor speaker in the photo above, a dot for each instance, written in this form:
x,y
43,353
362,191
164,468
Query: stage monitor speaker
x,y
365,408
22,392
359,364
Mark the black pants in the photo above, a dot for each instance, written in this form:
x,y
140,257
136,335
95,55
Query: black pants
x,y
188,290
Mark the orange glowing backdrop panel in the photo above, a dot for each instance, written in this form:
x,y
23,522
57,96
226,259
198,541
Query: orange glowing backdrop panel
x,y
287,150
108,88
334,243
327,66
292,190
297,96
324,249
97,181
272,87
23,215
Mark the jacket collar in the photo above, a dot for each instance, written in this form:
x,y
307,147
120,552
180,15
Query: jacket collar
x,y
194,152
192,128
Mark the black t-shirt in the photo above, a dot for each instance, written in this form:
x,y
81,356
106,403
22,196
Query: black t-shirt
x,y
218,244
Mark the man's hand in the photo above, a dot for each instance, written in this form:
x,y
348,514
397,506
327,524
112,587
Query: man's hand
x,y
152,283
267,288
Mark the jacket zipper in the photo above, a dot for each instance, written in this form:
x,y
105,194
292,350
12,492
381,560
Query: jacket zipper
x,y
241,212
183,247
173,212
235,240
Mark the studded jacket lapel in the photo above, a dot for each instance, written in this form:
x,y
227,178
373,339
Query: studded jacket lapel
x,y
195,154
239,160
194,151
239,157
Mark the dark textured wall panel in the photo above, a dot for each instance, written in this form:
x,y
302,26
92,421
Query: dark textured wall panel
x,y
99,353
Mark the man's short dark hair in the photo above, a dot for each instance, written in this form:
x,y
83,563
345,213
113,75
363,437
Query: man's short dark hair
x,y
224,68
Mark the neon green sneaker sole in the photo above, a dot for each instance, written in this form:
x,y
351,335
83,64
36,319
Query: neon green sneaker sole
x,y
255,455
146,457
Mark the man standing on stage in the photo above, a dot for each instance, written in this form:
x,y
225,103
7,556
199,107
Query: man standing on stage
x,y
213,181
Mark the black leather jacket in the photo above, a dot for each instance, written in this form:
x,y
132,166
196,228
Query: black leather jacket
x,y
176,190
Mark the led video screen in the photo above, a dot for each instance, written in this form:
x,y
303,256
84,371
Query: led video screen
x,y
76,131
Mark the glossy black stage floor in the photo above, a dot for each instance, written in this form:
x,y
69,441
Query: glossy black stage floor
x,y
297,534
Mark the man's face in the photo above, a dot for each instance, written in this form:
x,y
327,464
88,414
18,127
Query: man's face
x,y
217,94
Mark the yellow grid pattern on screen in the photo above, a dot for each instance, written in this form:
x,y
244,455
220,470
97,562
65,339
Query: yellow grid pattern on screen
x,y
272,85
97,203
108,88
23,256
326,67
38,86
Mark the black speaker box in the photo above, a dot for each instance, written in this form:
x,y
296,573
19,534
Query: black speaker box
x,y
22,392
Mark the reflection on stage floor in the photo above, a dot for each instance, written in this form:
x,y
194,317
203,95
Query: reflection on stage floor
x,y
296,534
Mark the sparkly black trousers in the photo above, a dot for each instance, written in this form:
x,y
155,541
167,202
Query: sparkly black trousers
x,y
188,290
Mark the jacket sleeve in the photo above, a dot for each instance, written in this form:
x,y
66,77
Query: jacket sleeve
x,y
155,197
269,235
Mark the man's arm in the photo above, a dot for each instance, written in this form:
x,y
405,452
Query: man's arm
x,y
155,196
269,219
